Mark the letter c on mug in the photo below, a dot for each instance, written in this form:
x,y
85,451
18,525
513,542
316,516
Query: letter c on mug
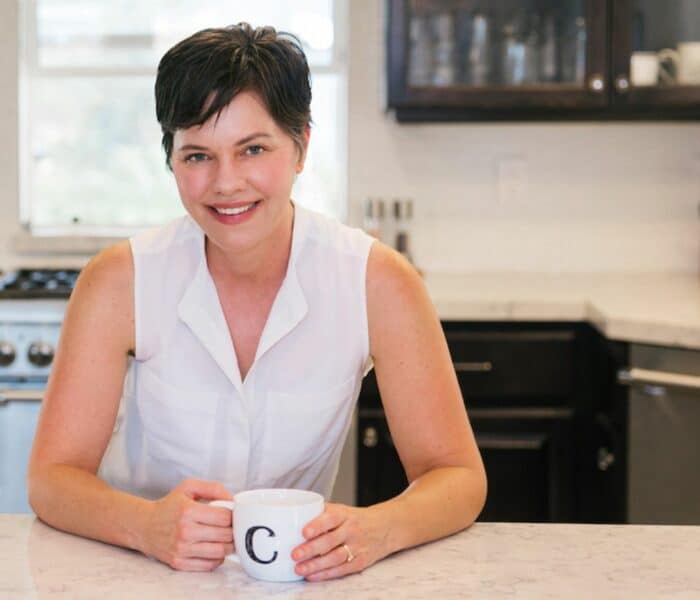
x,y
249,544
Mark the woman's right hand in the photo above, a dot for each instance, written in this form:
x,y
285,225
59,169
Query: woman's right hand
x,y
190,535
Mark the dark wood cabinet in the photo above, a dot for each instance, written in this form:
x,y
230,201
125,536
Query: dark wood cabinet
x,y
643,28
380,475
529,459
543,59
538,404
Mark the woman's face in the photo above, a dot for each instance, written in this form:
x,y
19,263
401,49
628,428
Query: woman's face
x,y
235,173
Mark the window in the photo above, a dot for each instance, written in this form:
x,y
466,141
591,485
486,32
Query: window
x,y
90,155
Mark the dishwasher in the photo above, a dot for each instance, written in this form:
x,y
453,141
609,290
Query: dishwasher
x,y
663,435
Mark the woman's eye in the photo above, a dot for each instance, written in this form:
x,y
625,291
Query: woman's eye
x,y
196,157
254,149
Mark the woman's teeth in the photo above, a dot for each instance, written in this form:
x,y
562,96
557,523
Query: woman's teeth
x,y
235,211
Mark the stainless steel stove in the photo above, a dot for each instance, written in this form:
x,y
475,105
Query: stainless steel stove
x,y
32,305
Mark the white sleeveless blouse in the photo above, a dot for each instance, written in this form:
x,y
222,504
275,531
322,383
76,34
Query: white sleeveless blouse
x,y
185,412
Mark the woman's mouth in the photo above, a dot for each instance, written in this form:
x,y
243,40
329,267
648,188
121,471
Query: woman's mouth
x,y
234,214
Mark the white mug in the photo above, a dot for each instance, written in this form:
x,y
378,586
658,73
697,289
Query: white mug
x,y
267,526
644,69
686,61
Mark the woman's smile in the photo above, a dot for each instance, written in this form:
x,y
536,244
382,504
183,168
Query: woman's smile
x,y
232,214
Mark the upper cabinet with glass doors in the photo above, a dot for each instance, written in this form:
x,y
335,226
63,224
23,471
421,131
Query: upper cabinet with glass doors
x,y
543,59
656,56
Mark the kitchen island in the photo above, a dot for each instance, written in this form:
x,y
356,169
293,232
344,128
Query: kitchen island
x,y
490,560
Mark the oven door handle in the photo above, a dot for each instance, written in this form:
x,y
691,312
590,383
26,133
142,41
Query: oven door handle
x,y
12,395
658,378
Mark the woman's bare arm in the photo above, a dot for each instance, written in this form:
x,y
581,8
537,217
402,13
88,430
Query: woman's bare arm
x,y
423,406
429,426
81,404
76,423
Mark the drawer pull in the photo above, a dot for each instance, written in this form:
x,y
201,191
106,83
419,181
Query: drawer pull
x,y
525,442
474,367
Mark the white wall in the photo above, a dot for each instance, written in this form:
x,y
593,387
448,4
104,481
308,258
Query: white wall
x,y
600,196
8,126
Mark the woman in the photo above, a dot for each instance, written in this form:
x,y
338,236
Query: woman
x,y
226,350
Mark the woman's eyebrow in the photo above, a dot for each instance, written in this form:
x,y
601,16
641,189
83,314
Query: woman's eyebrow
x,y
187,147
252,136
243,140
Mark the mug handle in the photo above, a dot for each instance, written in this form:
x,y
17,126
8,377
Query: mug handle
x,y
668,55
230,505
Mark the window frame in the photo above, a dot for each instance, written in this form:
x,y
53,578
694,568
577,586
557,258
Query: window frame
x,y
88,239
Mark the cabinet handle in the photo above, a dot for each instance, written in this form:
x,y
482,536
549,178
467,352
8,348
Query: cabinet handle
x,y
12,395
370,437
658,378
596,83
511,443
622,83
474,367
606,459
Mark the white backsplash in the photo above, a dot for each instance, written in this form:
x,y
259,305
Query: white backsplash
x,y
595,196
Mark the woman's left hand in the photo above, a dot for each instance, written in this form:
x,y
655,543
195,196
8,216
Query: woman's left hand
x,y
340,533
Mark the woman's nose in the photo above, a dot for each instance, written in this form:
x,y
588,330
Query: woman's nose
x,y
230,178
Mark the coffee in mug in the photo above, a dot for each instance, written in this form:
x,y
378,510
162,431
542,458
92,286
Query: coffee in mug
x,y
267,526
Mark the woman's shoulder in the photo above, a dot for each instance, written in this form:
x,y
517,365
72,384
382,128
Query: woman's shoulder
x,y
157,240
389,273
112,267
104,293
328,234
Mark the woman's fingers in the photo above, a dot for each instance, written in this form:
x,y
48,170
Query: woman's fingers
x,y
331,518
207,533
210,515
189,535
201,489
325,549
346,568
182,563
209,550
333,559
320,545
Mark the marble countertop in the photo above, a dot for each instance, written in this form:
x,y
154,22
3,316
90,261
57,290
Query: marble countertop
x,y
650,308
490,560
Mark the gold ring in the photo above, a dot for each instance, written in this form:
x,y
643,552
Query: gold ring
x,y
351,556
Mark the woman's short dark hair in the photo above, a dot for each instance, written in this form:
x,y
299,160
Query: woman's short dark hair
x,y
201,74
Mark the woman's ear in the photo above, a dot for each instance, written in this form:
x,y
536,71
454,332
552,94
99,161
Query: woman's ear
x,y
305,143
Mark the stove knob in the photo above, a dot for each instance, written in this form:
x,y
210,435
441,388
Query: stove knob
x,y
40,354
7,354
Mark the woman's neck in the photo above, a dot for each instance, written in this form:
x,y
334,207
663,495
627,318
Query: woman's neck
x,y
265,263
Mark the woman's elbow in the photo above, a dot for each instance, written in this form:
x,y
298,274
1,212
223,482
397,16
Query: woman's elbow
x,y
482,487
35,482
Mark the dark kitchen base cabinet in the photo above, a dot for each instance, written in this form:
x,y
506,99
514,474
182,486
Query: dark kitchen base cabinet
x,y
537,395
528,460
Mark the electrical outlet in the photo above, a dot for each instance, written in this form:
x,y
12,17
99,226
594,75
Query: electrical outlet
x,y
512,179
